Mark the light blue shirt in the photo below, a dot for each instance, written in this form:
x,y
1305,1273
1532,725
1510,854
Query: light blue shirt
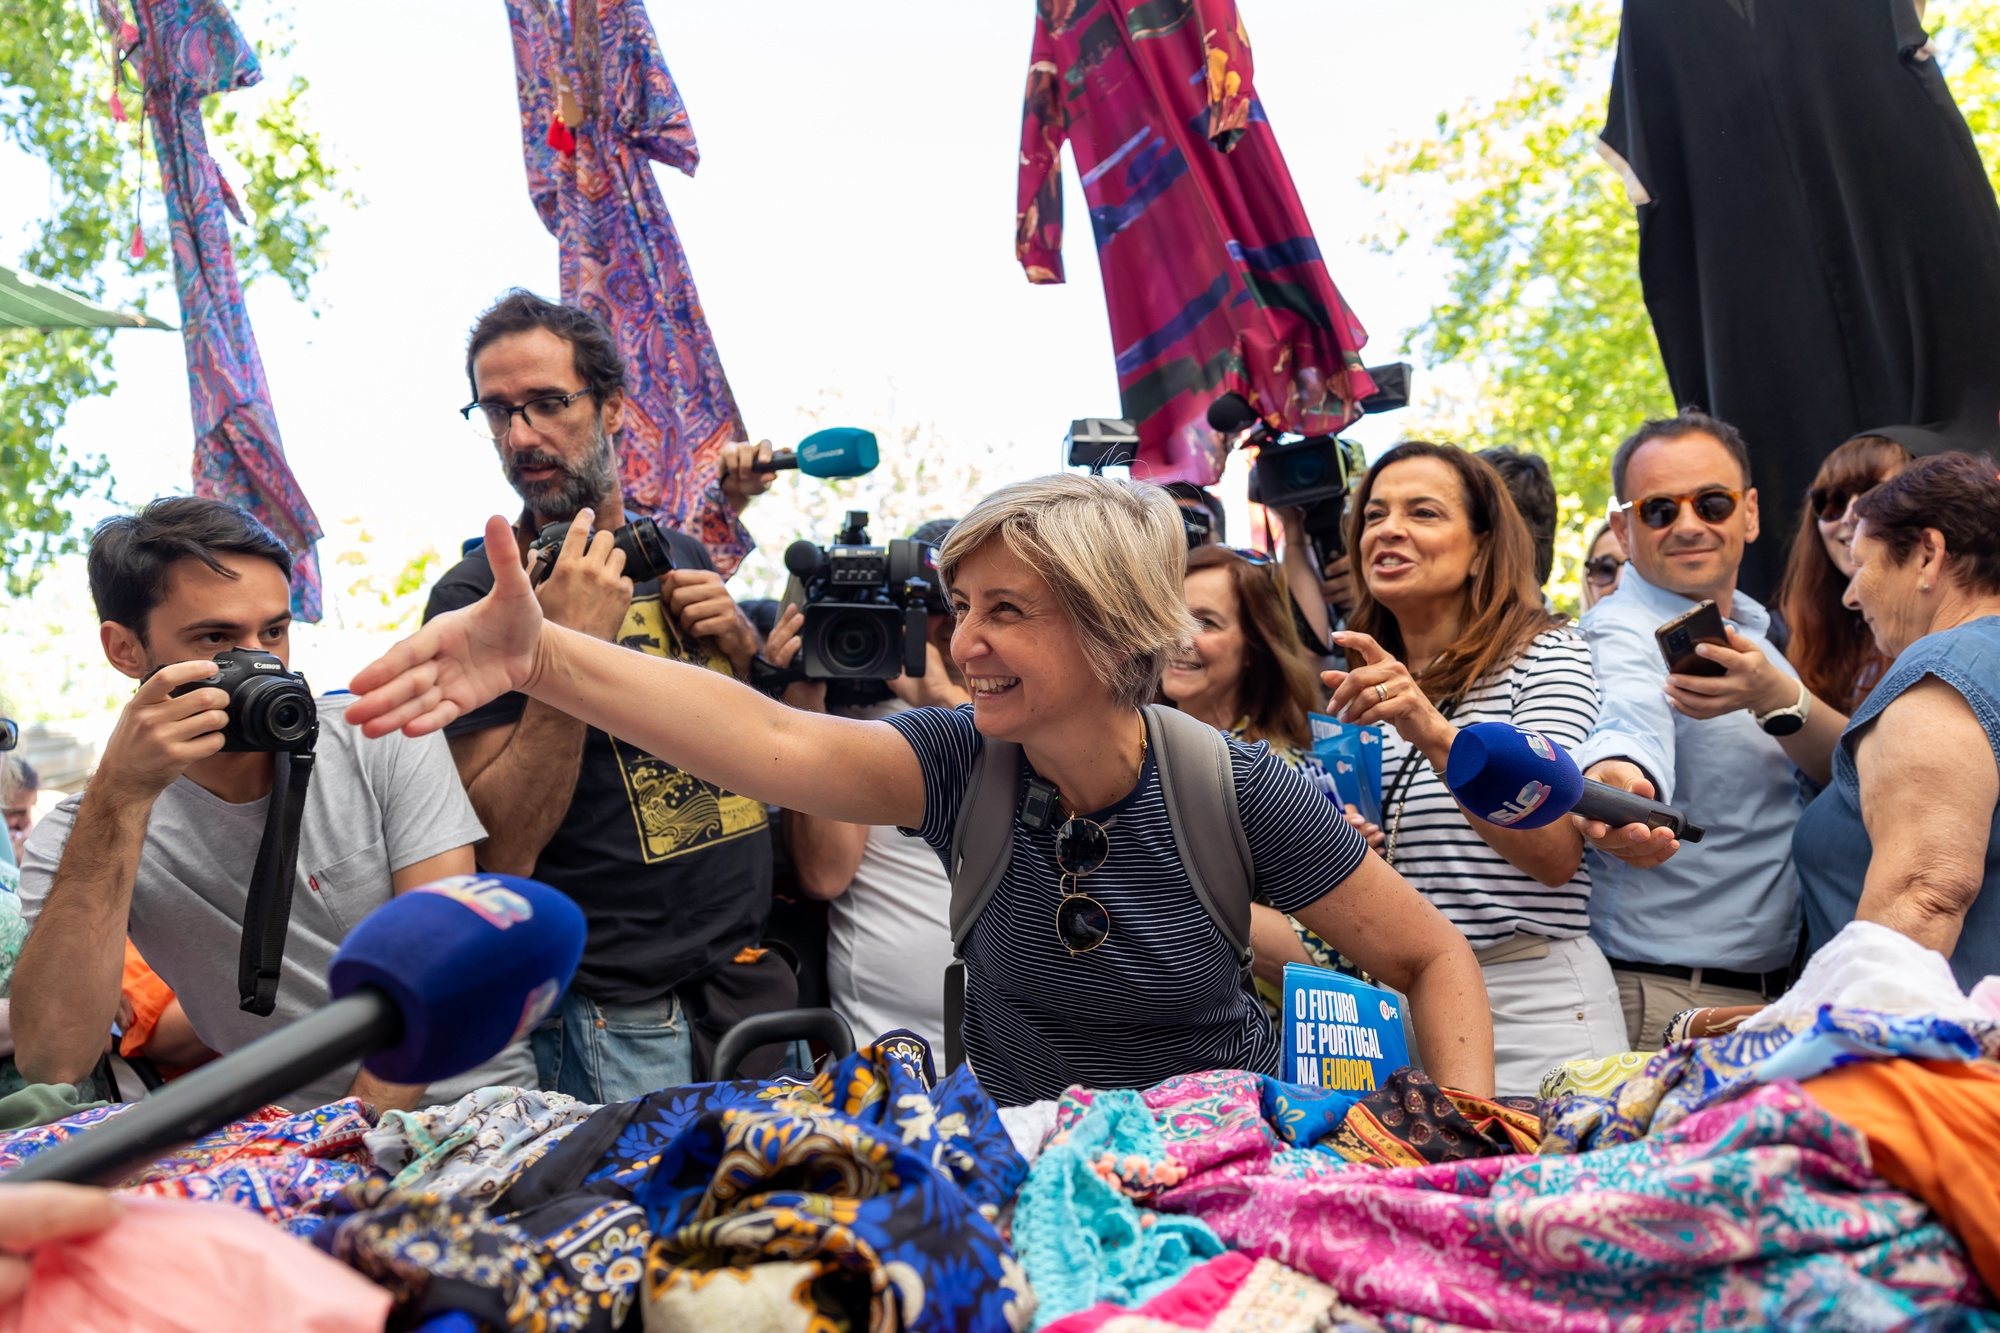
x,y
1731,900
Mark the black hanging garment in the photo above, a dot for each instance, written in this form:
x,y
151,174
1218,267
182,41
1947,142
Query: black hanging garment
x,y
1818,241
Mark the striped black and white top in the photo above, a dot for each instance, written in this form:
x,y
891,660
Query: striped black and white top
x,y
1550,688
1163,995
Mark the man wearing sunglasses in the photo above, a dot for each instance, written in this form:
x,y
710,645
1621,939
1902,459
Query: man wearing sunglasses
x,y
1718,923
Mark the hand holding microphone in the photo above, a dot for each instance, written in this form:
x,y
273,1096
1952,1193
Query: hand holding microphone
x,y
1517,778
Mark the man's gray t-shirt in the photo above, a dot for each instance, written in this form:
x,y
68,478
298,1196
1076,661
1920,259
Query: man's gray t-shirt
x,y
374,807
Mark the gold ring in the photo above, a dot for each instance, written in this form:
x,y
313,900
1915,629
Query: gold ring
x,y
1381,694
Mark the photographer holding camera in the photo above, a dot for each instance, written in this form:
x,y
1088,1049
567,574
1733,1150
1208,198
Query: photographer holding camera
x,y
673,874
164,843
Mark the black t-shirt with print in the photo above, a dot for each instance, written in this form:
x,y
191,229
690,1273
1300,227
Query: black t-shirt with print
x,y
673,874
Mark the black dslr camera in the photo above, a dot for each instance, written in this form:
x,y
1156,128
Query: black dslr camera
x,y
866,607
270,709
646,553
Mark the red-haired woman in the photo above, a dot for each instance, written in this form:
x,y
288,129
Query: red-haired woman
x,y
1830,645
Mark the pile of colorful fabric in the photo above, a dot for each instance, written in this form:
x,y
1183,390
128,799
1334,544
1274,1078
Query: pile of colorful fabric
x,y
1825,1165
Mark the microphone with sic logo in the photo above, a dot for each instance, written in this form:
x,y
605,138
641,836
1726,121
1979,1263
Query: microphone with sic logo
x,y
1516,778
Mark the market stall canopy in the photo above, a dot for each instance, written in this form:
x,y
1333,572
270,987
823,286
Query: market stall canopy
x,y
28,302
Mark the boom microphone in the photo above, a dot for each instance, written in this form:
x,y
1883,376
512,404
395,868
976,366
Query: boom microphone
x,y
839,451
1516,778
432,983
1232,413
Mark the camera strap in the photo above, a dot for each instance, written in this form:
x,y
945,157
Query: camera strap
x,y
267,913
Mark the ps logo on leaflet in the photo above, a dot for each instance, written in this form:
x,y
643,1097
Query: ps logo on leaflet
x,y
1528,800
496,904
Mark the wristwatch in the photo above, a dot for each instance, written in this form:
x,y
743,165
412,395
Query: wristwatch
x,y
1785,721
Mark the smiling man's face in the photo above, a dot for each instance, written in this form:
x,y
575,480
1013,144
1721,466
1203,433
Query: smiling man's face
x,y
1689,556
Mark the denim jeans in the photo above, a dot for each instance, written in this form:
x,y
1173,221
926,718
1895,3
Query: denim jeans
x,y
602,1053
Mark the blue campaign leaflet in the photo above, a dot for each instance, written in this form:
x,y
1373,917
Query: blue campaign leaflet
x,y
1340,1034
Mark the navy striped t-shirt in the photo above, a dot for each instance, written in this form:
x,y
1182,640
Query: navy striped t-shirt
x,y
1163,995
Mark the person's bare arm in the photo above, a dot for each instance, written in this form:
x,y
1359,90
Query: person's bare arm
x,y
1273,943
514,776
1928,789
1394,933
69,980
174,1040
825,852
695,719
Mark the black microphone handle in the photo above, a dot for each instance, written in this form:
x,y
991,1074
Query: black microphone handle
x,y
218,1093
1618,808
780,460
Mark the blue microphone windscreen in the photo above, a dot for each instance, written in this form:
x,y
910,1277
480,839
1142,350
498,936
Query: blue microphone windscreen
x,y
839,451
1511,776
472,962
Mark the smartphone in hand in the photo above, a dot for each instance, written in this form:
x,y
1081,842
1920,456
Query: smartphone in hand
x,y
1678,637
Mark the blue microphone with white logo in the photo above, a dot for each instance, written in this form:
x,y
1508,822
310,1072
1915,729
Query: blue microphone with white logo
x,y
838,451
431,984
1516,778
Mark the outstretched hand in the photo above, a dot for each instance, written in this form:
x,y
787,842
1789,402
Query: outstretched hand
x,y
463,658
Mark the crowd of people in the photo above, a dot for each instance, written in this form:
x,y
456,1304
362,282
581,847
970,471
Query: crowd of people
x,y
1101,795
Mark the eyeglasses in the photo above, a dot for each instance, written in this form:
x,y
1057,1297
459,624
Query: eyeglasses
x,y
1082,923
1250,556
1829,503
495,421
1602,570
1660,511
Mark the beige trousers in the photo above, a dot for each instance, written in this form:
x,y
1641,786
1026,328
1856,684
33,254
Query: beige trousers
x,y
1651,1002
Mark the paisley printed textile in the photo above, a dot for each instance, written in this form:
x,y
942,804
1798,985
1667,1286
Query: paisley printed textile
x,y
598,108
188,50
1703,1072
287,1167
1761,1213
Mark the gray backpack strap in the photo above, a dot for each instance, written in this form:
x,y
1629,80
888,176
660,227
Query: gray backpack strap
x,y
982,841
1199,785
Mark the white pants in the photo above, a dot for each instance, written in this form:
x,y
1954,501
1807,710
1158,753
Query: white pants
x,y
1549,1009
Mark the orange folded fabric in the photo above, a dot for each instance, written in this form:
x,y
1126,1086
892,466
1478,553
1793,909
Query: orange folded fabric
x,y
1931,1128
150,997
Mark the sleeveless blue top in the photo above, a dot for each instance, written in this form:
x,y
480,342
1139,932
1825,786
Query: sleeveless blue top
x,y
1831,848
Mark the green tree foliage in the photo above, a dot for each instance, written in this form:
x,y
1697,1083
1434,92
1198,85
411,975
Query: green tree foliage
x,y
1543,309
55,81
1544,316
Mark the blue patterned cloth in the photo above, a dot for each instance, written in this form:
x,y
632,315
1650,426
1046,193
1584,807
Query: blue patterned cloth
x,y
869,1197
1694,1075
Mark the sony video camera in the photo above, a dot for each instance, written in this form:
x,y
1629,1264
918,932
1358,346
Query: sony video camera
x,y
866,607
646,553
270,709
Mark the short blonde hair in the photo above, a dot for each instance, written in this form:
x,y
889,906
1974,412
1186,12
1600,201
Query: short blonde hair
x,y
1114,553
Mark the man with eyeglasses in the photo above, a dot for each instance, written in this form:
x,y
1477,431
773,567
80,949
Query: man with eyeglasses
x,y
1718,923
673,874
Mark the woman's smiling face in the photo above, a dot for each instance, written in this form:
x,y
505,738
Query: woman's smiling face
x,y
1417,542
1016,646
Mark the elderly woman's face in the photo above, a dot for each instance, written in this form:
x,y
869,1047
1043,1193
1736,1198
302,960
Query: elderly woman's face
x,y
1886,593
1018,650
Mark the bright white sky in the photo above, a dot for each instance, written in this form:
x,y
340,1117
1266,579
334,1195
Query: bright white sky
x,y
850,229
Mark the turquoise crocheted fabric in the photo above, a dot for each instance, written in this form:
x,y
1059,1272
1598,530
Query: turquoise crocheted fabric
x,y
1080,1237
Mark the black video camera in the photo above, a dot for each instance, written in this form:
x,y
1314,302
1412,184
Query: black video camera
x,y
646,553
1312,475
271,710
866,607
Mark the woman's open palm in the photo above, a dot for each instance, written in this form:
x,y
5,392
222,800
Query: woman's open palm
x,y
463,658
